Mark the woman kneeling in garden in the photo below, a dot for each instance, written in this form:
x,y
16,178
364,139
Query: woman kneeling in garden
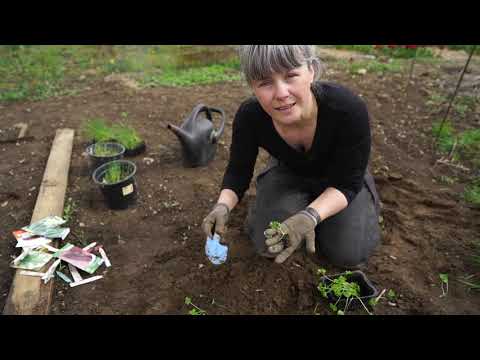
x,y
316,184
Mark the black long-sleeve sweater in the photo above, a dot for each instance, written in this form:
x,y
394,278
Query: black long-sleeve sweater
x,y
339,152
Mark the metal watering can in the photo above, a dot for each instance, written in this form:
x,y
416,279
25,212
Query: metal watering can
x,y
198,137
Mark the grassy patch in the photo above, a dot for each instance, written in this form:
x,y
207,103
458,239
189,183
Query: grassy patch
x,y
30,72
398,53
469,146
467,143
372,66
436,100
37,72
446,137
194,76
472,193
466,48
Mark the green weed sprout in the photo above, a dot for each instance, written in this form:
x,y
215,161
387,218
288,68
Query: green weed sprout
x,y
196,310
69,209
444,279
391,296
125,135
97,130
113,174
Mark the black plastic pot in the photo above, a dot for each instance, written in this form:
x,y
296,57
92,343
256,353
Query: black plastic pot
x,y
139,149
95,160
122,194
367,290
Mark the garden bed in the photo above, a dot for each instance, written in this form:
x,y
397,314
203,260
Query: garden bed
x,y
157,247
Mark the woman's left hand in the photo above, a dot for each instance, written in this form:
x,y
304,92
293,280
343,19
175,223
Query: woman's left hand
x,y
296,229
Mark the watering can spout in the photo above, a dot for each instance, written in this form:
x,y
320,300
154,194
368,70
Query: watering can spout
x,y
184,137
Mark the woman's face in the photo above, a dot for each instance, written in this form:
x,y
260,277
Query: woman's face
x,y
286,96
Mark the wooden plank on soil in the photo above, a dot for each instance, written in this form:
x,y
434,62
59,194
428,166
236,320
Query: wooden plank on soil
x,y
29,295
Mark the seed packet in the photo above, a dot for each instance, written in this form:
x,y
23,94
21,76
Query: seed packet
x,y
63,277
79,258
22,235
33,260
48,227
28,240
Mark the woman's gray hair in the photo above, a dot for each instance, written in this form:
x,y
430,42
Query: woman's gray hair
x,y
260,61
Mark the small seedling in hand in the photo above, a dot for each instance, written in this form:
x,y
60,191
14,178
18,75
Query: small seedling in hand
x,y
196,310
275,226
444,279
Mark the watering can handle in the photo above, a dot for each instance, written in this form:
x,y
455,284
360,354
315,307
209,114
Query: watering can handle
x,y
216,133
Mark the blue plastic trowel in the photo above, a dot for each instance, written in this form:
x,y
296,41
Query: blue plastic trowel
x,y
216,252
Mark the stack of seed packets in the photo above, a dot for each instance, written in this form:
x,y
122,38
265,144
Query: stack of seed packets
x,y
81,259
48,227
34,241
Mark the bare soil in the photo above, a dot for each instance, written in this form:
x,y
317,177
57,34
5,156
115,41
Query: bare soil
x,y
157,247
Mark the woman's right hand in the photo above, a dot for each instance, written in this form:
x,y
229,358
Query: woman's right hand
x,y
217,219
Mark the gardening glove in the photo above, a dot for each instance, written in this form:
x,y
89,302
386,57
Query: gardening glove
x,y
216,221
291,235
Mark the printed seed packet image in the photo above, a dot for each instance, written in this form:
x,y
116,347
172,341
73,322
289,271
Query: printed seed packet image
x,y
79,258
33,261
48,227
26,239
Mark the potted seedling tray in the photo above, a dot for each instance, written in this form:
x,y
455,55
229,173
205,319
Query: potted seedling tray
x,y
349,290
102,152
128,137
97,130
116,180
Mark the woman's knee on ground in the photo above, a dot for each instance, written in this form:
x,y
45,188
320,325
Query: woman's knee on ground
x,y
345,260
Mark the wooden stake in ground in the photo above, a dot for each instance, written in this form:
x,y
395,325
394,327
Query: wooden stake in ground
x,y
410,75
23,130
29,295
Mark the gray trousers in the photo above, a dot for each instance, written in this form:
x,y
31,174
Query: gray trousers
x,y
346,239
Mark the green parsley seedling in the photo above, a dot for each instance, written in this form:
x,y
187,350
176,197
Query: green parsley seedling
x,y
341,289
391,296
444,279
196,310
276,226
